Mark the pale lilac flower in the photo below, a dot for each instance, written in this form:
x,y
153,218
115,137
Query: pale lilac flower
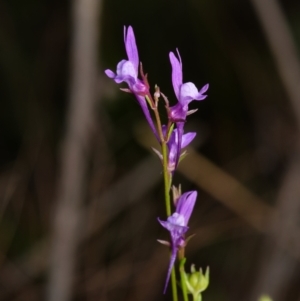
x,y
175,149
185,93
127,71
177,225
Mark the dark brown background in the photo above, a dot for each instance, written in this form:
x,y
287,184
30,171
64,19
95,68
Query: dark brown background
x,y
245,162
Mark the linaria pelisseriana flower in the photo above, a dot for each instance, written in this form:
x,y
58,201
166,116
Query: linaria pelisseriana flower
x,y
177,225
185,93
127,71
173,147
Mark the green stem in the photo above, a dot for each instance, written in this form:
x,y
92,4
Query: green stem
x,y
166,177
174,285
182,279
197,297
167,182
164,149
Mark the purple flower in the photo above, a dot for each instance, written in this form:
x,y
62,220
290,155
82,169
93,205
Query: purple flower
x,y
174,147
185,93
177,225
127,71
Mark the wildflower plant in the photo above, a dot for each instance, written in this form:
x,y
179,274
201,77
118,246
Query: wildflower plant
x,y
172,140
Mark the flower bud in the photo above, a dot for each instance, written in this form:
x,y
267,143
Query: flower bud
x,y
156,93
197,282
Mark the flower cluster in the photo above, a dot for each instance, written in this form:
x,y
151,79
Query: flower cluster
x,y
172,140
127,71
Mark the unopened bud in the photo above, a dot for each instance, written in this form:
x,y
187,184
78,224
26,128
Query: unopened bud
x,y
193,280
157,93
197,282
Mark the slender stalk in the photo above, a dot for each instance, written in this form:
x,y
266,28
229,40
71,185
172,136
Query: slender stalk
x,y
157,117
197,298
174,286
167,185
182,280
166,178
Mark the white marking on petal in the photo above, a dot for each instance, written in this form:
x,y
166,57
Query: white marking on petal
x,y
188,90
176,219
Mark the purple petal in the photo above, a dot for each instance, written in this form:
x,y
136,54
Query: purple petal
x,y
172,150
176,72
164,130
139,87
204,89
171,264
175,226
173,138
179,126
165,224
141,100
110,73
185,205
187,139
131,48
125,72
173,147
200,97
178,112
189,92
176,219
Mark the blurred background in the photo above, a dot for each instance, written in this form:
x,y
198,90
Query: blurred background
x,y
80,189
